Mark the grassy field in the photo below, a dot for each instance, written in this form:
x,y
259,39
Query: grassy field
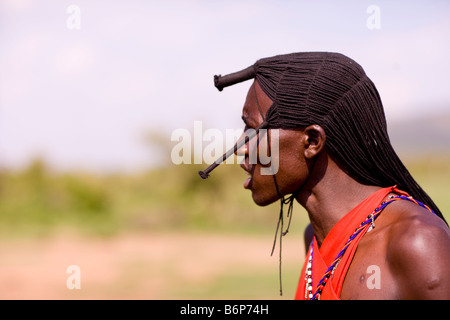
x,y
160,234
37,201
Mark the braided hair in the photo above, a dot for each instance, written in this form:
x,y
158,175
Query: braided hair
x,y
333,91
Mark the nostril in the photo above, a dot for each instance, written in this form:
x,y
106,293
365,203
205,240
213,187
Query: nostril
x,y
242,151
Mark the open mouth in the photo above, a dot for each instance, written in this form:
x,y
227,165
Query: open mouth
x,y
248,169
248,183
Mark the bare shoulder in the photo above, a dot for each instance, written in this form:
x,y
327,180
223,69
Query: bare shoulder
x,y
418,252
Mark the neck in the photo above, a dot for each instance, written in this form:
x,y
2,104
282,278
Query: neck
x,y
329,194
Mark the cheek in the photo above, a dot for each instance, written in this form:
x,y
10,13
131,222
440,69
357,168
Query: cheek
x,y
292,173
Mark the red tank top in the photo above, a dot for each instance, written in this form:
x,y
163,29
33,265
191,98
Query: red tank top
x,y
333,243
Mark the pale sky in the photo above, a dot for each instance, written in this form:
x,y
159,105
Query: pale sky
x,y
84,98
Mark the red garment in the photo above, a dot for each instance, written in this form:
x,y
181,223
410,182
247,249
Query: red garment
x,y
333,243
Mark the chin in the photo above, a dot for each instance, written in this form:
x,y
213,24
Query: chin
x,y
264,200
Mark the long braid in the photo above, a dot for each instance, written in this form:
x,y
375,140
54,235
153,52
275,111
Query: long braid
x,y
333,91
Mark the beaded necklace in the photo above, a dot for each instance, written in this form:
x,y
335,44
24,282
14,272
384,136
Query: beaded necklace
x,y
369,220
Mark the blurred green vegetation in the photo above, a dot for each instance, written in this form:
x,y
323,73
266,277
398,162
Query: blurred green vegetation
x,y
38,201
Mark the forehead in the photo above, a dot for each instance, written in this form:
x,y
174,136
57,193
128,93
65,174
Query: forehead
x,y
255,97
250,107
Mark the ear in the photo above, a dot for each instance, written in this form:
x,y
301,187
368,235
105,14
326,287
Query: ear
x,y
315,138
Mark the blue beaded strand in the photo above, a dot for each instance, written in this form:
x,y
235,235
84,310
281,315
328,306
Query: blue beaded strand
x,y
370,219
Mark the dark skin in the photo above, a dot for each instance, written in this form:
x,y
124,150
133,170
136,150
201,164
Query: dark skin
x,y
410,245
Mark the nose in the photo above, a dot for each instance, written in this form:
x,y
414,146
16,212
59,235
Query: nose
x,y
243,150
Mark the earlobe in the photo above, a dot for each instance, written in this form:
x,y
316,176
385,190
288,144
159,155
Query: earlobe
x,y
315,138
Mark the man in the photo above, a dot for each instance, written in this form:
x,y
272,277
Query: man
x,y
368,216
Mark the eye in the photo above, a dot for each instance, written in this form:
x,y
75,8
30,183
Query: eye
x,y
247,126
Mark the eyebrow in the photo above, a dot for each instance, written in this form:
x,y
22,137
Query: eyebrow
x,y
247,121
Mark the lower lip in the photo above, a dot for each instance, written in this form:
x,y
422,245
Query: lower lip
x,y
247,183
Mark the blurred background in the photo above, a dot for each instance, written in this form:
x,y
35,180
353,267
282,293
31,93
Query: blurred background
x,y
90,93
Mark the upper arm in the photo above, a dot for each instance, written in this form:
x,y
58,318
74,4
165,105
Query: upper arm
x,y
419,258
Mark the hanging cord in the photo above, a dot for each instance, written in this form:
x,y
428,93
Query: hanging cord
x,y
288,201
283,201
280,225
